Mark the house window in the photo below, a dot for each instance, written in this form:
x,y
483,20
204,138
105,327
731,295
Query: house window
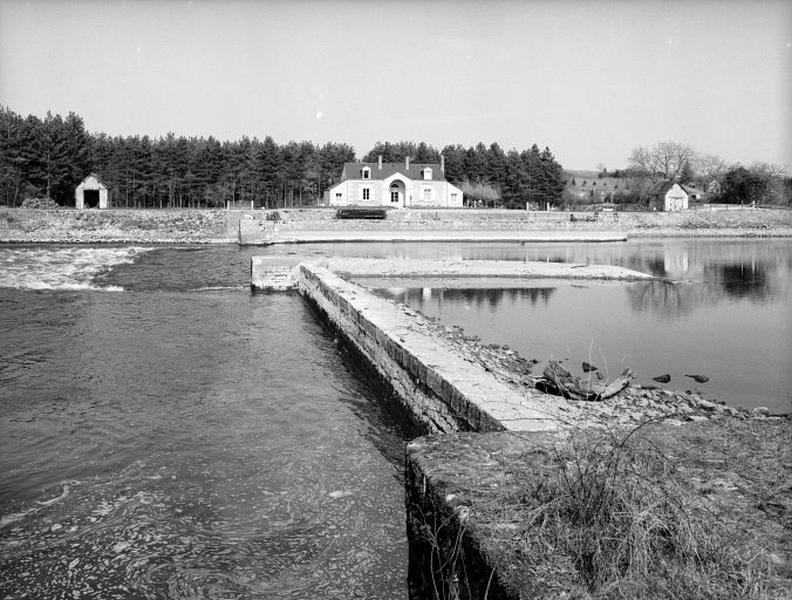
x,y
394,193
366,173
453,197
427,173
366,193
338,195
427,195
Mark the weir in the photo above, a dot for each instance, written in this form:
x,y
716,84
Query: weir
x,y
520,494
444,393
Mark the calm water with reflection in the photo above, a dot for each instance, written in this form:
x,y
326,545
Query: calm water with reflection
x,y
726,312
176,441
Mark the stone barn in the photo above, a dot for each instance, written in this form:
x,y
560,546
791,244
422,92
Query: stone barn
x,y
91,193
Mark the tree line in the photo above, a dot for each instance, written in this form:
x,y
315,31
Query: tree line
x,y
49,157
709,174
758,183
487,175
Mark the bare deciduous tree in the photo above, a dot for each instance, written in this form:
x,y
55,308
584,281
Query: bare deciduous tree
x,y
710,166
664,160
770,170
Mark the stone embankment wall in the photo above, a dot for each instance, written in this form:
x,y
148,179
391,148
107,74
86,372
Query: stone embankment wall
x,y
222,226
437,387
441,393
118,226
441,388
695,222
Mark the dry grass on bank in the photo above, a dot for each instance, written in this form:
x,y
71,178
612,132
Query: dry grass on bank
x,y
651,514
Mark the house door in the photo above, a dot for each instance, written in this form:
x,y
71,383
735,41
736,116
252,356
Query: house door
x,y
397,194
90,198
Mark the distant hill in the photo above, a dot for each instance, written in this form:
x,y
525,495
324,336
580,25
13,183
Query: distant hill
x,y
580,174
591,184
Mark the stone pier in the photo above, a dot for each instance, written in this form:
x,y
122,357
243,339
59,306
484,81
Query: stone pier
x,y
448,395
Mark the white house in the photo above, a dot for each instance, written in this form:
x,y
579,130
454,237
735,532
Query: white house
x,y
396,184
668,196
91,193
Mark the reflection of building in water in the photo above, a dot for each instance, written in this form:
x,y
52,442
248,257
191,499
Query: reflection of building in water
x,y
424,296
676,262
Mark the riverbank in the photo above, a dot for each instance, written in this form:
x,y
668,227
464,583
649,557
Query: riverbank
x,y
654,511
118,226
32,226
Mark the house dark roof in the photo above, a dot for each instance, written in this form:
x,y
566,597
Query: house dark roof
x,y
354,170
661,187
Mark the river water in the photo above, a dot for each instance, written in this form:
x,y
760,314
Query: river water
x,y
167,434
723,309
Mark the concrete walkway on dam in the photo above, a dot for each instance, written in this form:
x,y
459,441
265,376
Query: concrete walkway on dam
x,y
276,273
463,269
252,236
442,389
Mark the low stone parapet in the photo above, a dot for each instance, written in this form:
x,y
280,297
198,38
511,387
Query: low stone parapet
x,y
440,389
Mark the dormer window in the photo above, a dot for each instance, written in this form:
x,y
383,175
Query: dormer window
x,y
366,173
427,173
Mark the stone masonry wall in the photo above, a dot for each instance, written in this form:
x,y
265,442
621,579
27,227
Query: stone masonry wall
x,y
406,376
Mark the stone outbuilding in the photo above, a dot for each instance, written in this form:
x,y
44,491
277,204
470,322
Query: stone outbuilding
x,y
668,196
91,193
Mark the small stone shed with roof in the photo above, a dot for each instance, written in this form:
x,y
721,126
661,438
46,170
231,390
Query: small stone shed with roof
x,y
668,196
91,193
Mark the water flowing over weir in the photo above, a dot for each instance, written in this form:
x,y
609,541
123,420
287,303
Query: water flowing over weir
x,y
156,442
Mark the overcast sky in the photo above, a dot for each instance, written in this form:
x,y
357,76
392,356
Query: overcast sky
x,y
591,80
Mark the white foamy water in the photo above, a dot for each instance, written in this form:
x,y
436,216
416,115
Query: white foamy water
x,y
61,268
39,505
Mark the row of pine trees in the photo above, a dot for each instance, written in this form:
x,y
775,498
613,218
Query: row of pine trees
x,y
49,157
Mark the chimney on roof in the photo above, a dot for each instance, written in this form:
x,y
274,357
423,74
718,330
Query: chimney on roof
x,y
442,163
407,163
379,162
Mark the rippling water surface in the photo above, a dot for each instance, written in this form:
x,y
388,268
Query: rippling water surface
x,y
165,434
183,441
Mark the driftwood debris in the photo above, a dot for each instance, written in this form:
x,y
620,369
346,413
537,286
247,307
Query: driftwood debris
x,y
698,378
557,380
